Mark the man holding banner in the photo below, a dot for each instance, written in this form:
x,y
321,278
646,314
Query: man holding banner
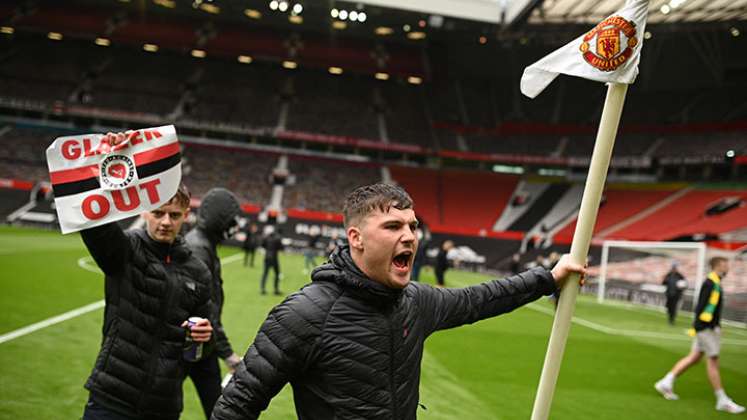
x,y
152,282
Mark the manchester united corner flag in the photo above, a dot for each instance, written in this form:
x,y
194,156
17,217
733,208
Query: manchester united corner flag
x,y
608,53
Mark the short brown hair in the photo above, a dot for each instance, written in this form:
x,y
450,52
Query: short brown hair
x,y
363,200
182,196
716,261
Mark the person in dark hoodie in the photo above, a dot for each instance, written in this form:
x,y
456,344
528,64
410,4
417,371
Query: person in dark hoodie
x,y
273,244
250,244
442,262
675,284
152,285
351,342
216,220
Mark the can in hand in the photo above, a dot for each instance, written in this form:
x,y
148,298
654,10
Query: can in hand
x,y
192,351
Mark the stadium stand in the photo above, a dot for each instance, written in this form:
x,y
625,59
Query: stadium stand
x,y
444,198
496,143
406,119
246,174
64,69
565,208
24,158
423,186
617,206
525,194
218,91
10,200
687,216
702,144
138,81
236,94
333,105
536,212
459,190
321,185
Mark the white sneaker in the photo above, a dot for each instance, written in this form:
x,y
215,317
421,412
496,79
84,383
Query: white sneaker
x,y
666,391
729,406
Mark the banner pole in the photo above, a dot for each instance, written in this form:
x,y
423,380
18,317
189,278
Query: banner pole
x,y
600,160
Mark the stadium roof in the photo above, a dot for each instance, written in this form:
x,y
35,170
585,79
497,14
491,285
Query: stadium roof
x,y
478,10
661,11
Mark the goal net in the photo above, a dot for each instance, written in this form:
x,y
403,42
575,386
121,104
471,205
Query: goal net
x,y
633,272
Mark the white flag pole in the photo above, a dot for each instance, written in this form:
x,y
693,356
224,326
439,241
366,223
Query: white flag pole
x,y
600,161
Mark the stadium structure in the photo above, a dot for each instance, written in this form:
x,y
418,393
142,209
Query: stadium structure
x,y
291,104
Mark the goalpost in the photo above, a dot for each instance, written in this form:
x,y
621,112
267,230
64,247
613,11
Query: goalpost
x,y
639,268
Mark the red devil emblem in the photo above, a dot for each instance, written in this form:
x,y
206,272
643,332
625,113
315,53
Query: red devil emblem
x,y
118,170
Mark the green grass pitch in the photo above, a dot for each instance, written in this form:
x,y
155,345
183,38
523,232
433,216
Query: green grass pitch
x,y
489,370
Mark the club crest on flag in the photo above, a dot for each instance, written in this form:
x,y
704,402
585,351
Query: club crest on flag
x,y
608,53
610,34
117,172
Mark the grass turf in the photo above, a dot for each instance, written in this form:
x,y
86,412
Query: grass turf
x,y
488,370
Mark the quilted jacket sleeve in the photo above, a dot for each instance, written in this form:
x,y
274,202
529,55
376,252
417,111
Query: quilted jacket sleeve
x,y
202,251
109,246
281,351
449,308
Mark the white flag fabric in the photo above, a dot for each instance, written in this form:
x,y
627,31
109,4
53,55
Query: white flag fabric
x,y
610,52
95,183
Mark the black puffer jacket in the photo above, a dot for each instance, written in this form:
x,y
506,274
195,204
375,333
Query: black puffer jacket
x,y
151,288
203,245
217,215
351,348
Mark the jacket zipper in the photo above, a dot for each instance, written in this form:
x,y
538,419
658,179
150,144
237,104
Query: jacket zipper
x,y
391,365
153,359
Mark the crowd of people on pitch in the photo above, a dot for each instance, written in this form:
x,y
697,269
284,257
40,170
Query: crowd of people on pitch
x,y
350,342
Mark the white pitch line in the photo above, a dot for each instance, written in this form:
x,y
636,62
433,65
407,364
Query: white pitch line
x,y
232,258
83,263
51,321
629,333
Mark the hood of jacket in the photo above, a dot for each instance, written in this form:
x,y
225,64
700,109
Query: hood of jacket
x,y
342,270
217,214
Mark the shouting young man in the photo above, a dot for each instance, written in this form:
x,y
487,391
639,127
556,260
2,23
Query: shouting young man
x,y
351,342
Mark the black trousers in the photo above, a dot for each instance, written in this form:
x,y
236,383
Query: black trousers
x,y
274,265
205,375
247,253
439,276
672,302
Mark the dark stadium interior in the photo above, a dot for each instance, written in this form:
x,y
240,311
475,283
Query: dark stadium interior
x,y
349,107
293,104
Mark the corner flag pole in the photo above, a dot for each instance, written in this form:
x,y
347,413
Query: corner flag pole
x,y
600,161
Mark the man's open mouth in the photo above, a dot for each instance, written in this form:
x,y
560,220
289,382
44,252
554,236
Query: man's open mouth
x,y
402,260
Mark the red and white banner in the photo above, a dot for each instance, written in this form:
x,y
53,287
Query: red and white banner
x,y
95,183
